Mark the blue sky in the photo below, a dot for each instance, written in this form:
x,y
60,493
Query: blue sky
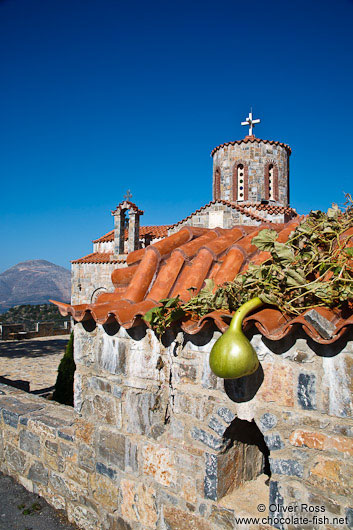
x,y
98,96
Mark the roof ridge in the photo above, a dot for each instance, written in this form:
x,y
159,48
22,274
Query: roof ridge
x,y
98,257
104,235
261,206
252,139
111,232
214,201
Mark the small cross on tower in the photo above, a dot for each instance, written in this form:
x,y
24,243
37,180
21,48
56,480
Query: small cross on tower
x,y
128,195
249,121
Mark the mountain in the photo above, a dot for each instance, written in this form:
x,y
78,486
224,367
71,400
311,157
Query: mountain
x,y
34,282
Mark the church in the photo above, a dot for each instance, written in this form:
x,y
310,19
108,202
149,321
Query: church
x,y
250,187
168,439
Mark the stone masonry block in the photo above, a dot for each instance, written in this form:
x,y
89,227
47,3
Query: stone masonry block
x,y
142,361
160,465
267,421
278,384
217,426
104,410
288,467
230,469
10,418
105,470
177,519
38,473
276,499
223,518
337,385
112,355
349,517
274,441
141,411
111,448
29,442
324,327
139,503
14,458
306,391
226,414
207,439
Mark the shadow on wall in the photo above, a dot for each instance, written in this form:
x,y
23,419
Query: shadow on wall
x,y
247,432
244,388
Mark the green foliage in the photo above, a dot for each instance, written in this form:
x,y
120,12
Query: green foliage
x,y
64,386
30,314
313,268
161,318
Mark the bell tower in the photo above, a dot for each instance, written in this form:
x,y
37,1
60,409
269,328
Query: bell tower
x,y
251,170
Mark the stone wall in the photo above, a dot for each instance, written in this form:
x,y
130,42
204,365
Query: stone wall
x,y
42,329
89,279
8,330
157,442
256,157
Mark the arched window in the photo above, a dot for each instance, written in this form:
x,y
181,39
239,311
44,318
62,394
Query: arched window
x,y
271,182
240,175
240,182
97,292
217,184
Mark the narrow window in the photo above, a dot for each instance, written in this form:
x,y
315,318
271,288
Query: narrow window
x,y
217,185
241,181
271,183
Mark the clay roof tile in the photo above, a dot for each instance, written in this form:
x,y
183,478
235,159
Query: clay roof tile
x,y
181,263
252,140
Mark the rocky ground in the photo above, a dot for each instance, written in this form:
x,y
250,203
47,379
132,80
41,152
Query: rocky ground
x,y
22,510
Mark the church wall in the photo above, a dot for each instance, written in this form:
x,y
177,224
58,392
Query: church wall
x,y
215,215
256,156
148,444
103,246
86,278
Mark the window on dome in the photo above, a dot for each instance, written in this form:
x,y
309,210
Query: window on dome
x,y
271,183
241,182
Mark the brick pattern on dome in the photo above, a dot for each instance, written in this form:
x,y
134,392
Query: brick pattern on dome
x,y
185,260
252,140
272,208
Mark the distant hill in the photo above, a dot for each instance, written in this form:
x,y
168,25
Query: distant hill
x,y
34,282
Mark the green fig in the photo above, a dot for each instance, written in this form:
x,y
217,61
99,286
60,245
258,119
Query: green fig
x,y
232,355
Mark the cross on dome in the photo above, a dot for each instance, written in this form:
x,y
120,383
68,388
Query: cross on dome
x,y
250,122
128,195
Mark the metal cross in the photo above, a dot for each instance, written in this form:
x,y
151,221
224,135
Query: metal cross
x,y
249,121
128,195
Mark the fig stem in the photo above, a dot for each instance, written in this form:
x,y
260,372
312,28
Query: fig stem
x,y
242,312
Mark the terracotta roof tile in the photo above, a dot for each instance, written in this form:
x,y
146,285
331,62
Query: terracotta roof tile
x,y
185,259
245,210
271,208
98,257
252,140
127,205
155,231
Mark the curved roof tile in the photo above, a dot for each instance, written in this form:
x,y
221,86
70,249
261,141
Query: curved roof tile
x,y
155,231
185,259
98,257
